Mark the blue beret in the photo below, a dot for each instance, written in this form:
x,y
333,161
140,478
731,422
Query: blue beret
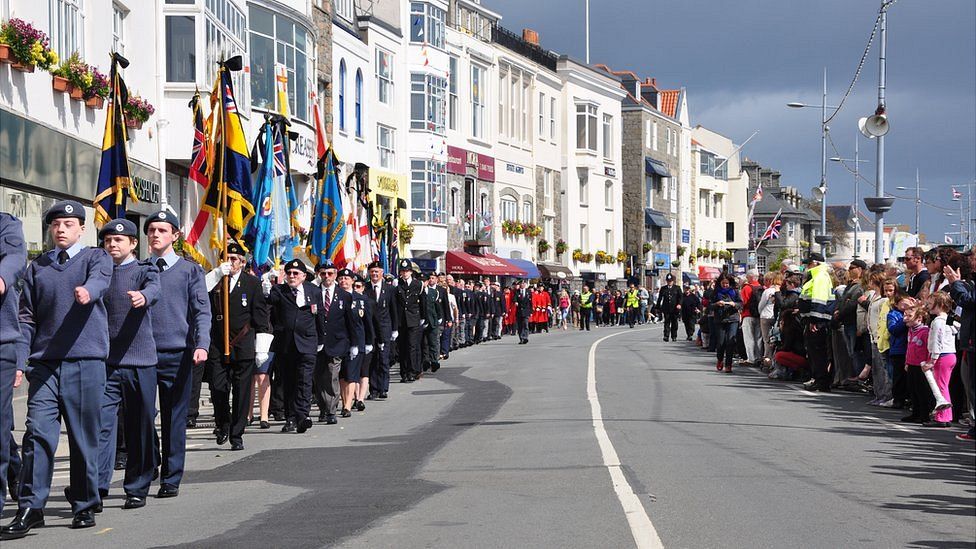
x,y
120,226
325,264
163,216
63,209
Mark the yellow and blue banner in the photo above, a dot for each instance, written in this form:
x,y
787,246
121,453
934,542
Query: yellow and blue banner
x,y
328,231
114,184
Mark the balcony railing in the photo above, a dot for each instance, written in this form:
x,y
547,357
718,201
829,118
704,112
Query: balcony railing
x,y
508,39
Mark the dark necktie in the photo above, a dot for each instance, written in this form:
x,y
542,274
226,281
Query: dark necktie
x,y
62,257
161,263
328,301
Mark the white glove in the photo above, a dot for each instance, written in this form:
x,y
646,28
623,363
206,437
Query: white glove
x,y
353,353
423,323
214,276
266,284
382,346
224,268
319,348
261,358
394,335
369,349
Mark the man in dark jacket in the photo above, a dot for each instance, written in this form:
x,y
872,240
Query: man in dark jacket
x,y
409,290
386,318
669,303
523,310
846,316
434,311
690,307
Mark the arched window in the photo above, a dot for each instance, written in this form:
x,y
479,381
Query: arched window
x,y
528,213
342,95
359,103
509,208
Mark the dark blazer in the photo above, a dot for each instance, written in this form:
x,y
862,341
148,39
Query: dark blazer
x,y
470,308
523,303
431,305
364,306
301,324
408,303
386,312
459,299
497,302
343,323
249,314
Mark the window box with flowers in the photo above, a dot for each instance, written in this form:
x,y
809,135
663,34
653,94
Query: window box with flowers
x,y
647,247
78,75
561,247
512,227
25,47
138,111
406,233
98,91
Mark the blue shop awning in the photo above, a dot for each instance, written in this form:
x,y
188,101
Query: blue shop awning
x,y
656,167
654,218
531,271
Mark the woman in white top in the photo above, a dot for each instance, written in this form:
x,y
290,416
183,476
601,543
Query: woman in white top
x,y
874,298
942,352
767,314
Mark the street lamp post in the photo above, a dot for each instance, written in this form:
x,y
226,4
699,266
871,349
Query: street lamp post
x,y
918,203
823,238
857,176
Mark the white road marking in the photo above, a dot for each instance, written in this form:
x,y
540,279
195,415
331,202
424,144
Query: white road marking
x,y
645,536
891,425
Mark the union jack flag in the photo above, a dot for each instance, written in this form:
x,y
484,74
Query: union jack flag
x,y
229,104
772,232
279,159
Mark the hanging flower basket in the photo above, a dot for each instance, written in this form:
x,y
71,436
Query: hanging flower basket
x,y
676,263
561,247
95,102
75,92
5,54
59,83
137,124
646,247
543,246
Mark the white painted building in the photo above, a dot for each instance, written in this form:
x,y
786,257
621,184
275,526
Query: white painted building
x,y
592,219
51,144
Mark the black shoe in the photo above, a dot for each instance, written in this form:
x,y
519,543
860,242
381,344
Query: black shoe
x,y
222,437
277,417
121,459
191,423
370,397
134,502
24,520
289,427
408,380
250,421
265,425
236,446
84,519
168,491
665,340
304,425
331,419
346,413
384,396
937,424
360,405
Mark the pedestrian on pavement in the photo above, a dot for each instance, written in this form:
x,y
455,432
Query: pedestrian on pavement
x,y
65,368
690,309
728,305
587,301
962,289
751,330
131,365
669,304
816,309
767,315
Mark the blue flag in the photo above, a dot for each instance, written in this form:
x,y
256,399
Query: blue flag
x,y
270,228
328,228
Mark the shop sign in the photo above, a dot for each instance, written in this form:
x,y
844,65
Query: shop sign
x,y
515,168
387,183
685,236
610,172
459,160
146,190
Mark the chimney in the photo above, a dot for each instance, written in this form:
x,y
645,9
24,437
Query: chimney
x,y
530,36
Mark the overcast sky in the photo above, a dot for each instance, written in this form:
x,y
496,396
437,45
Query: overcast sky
x,y
741,61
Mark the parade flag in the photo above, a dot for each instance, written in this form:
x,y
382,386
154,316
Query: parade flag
x,y
948,239
772,232
384,258
198,226
393,230
270,228
230,182
364,240
114,183
328,232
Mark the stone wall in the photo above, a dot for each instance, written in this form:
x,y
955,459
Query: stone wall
x,y
322,20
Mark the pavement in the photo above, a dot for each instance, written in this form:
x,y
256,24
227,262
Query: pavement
x,y
575,440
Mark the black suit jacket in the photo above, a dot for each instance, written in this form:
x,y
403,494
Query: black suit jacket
x,y
431,305
523,303
364,306
249,314
301,324
408,303
386,313
343,323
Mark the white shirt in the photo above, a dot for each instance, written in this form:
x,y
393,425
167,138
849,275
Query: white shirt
x,y
378,287
327,293
942,338
767,303
300,296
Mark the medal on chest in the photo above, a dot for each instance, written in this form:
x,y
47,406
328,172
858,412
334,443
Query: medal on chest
x,y
243,300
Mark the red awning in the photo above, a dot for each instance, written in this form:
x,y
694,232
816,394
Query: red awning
x,y
483,264
708,273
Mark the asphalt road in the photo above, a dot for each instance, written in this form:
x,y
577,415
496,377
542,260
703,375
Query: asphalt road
x,y
508,446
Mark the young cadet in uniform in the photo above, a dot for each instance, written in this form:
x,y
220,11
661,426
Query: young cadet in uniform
x,y
250,340
65,327
370,330
299,325
359,332
409,290
386,320
13,262
181,327
471,319
130,374
432,304
523,312
342,337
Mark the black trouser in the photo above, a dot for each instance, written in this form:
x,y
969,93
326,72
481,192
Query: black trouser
x,y
432,348
200,374
671,325
690,322
231,382
409,344
923,401
899,381
296,373
379,369
817,343
277,380
585,314
523,327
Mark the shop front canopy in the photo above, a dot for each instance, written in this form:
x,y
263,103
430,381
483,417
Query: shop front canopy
x,y
463,263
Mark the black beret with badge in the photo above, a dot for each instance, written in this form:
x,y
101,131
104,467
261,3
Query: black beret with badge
x,y
65,209
375,265
163,217
120,227
296,265
236,249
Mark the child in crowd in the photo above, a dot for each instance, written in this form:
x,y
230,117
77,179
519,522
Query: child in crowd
x,y
917,352
876,301
897,345
941,356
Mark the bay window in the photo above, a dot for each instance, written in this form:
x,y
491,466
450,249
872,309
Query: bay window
x,y
586,127
427,96
427,24
427,190
277,39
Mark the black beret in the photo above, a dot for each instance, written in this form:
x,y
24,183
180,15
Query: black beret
x,y
161,216
324,264
360,279
120,226
63,209
375,265
296,265
236,249
346,272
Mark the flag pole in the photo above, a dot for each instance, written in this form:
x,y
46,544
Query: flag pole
x,y
225,281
